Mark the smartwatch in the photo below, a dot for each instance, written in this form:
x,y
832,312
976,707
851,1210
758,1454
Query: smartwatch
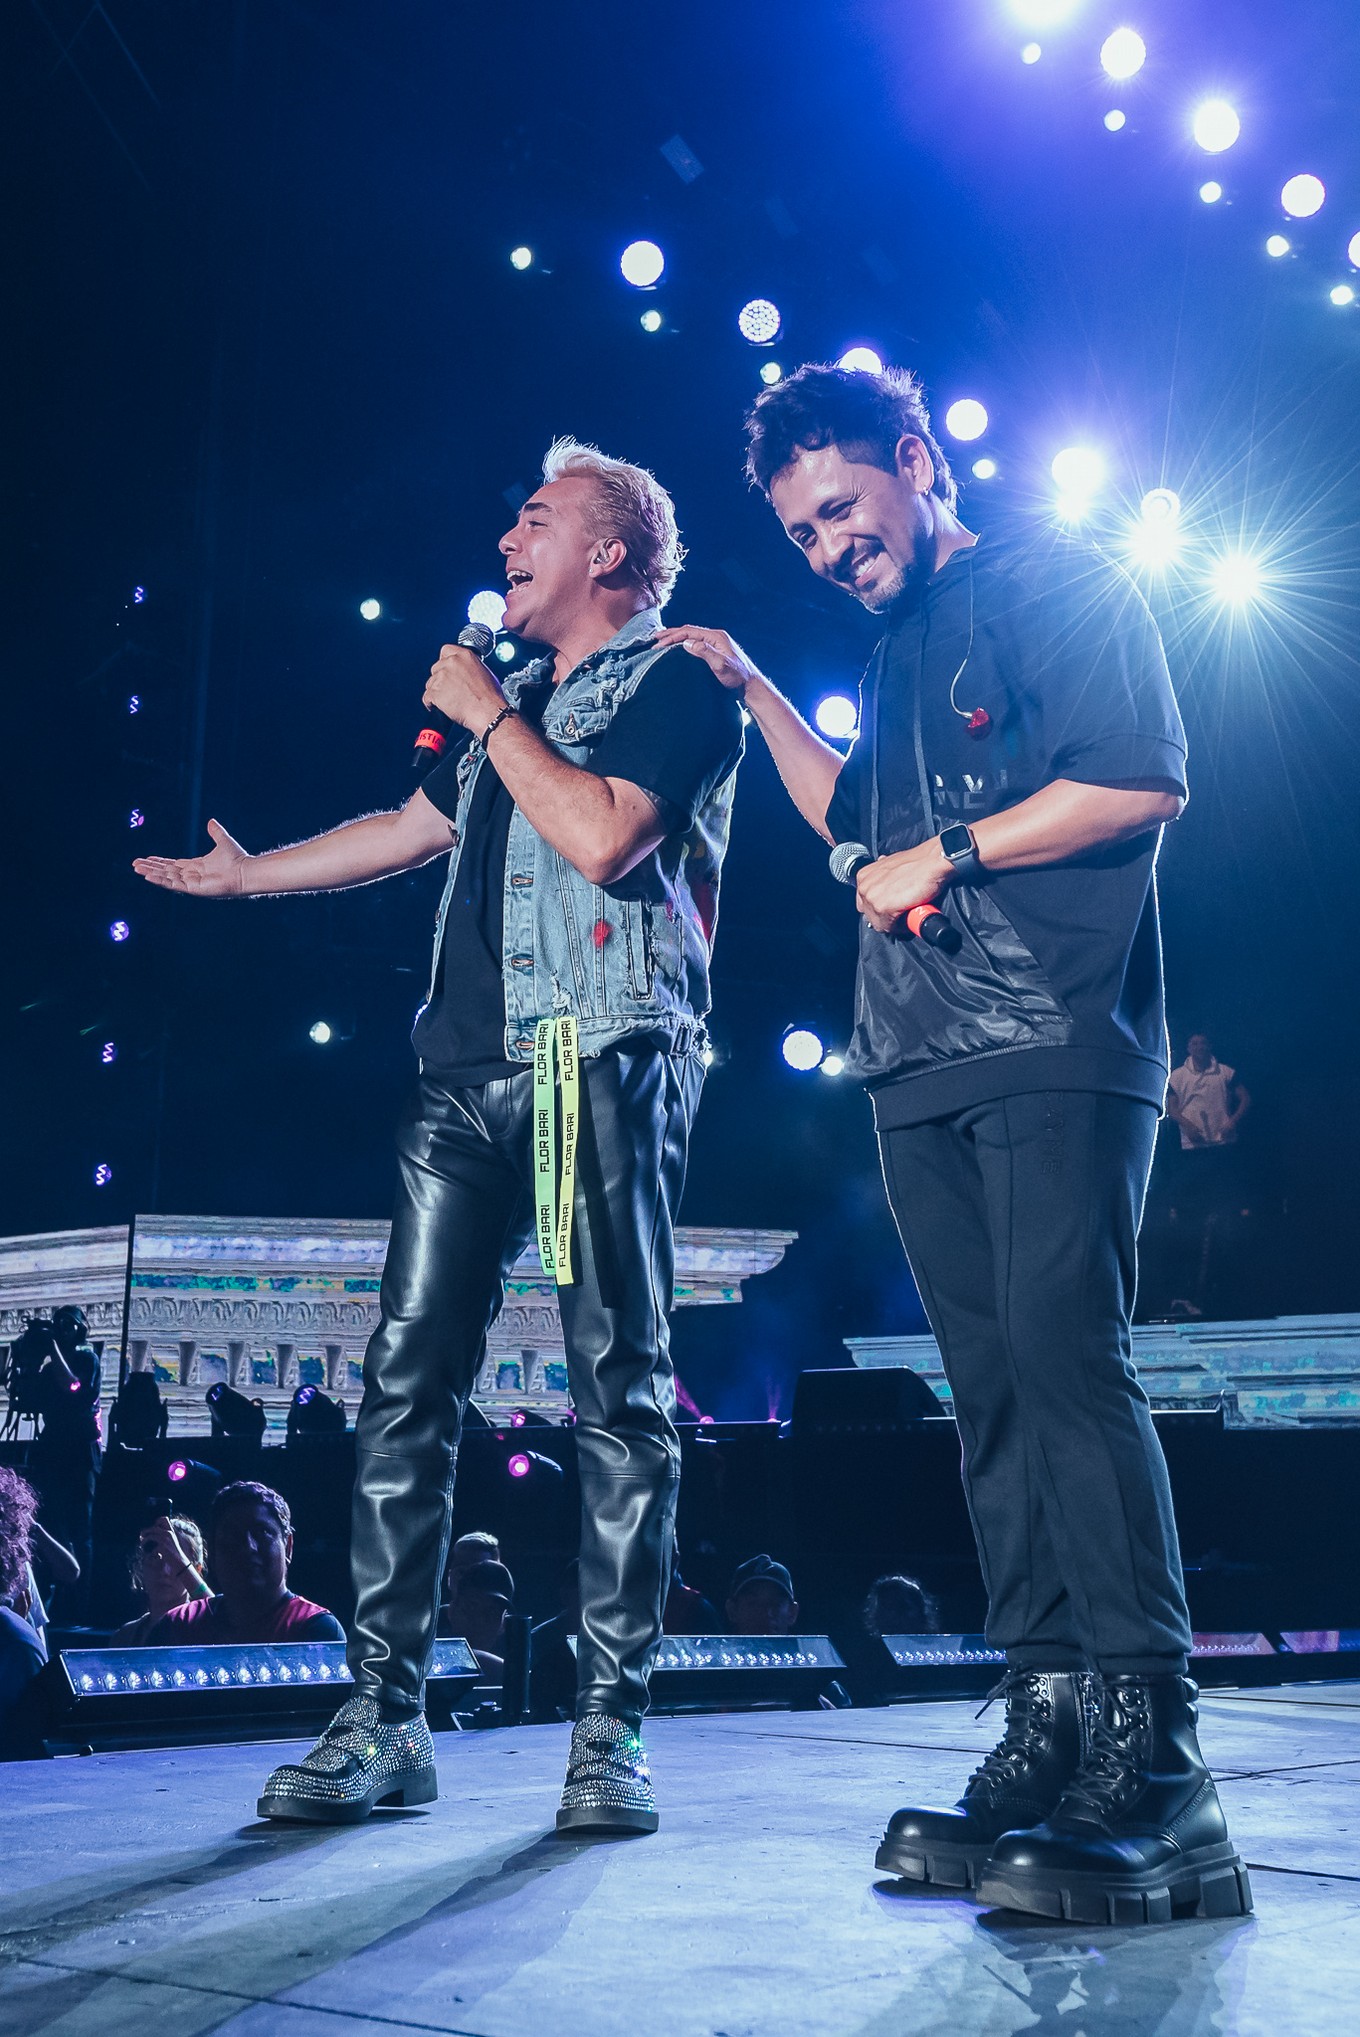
x,y
958,844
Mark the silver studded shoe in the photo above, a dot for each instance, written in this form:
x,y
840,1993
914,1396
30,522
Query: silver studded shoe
x,y
359,1761
609,1785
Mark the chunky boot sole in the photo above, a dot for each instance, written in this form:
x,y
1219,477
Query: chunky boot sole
x,y
933,1866
1210,1883
420,1787
607,1818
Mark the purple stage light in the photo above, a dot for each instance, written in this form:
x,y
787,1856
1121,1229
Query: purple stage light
x,y
108,1053
134,703
177,1472
518,1419
119,930
518,1466
305,1394
139,595
103,1174
136,818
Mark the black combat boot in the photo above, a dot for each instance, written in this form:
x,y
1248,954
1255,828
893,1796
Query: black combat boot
x,y
1139,1836
1049,1716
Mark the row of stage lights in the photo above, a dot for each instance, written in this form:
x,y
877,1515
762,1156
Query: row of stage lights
x,y
1214,124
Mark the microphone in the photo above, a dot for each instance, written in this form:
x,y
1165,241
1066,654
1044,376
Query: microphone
x,y
436,728
927,922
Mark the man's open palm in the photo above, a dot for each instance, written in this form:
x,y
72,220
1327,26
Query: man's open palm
x,y
219,874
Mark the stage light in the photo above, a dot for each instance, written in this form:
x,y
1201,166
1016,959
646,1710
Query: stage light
x,y
505,651
1042,13
802,1049
1153,542
313,1414
138,596
770,373
1215,126
233,1415
103,1175
833,1064
518,1419
642,263
966,419
177,1472
1161,506
521,258
1303,196
519,1466
1123,53
837,716
134,703
108,1053
1342,293
1072,508
1079,472
650,320
985,469
370,609
1235,578
861,361
136,818
320,1034
759,322
1277,245
1353,250
1211,192
1031,53
1114,119
120,930
487,608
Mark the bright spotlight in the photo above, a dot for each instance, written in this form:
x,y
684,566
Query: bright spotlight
x,y
985,469
1114,119
108,1053
519,1466
1342,293
370,610
103,1174
1211,192
642,263
1277,245
320,1034
966,419
1031,53
759,322
119,930
1153,543
802,1049
136,818
1161,506
1235,578
861,361
1123,54
1303,196
1042,13
487,608
1072,508
834,1064
650,320
837,717
521,258
1079,472
770,373
505,651
1353,250
1215,126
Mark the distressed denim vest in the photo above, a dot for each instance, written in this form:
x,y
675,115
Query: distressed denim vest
x,y
624,959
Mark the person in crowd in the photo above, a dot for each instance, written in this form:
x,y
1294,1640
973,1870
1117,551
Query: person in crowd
x,y
250,1545
480,1546
483,1602
552,1662
168,1568
760,1599
64,1457
1206,1099
21,1649
899,1605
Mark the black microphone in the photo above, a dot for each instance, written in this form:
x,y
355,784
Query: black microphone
x,y
927,922
436,728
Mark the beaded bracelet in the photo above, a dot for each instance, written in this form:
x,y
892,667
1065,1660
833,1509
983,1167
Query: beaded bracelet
x,y
493,725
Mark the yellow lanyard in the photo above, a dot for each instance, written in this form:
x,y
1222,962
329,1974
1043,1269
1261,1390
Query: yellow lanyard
x,y
554,1201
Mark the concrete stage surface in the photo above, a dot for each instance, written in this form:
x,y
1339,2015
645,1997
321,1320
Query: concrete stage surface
x,y
139,1895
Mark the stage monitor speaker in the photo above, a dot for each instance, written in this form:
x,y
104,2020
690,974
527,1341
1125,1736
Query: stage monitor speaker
x,y
882,1401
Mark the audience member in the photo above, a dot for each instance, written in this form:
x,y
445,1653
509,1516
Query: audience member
x,y
1205,1099
552,1664
250,1544
64,1456
478,1610
686,1611
898,1605
167,1569
760,1598
469,1550
21,1650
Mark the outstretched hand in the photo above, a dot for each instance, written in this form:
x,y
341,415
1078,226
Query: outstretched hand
x,y
724,658
219,874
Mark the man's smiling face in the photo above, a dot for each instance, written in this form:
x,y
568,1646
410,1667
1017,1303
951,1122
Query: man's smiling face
x,y
866,531
548,555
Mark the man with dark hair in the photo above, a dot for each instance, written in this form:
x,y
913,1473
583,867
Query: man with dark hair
x,y
585,824
1020,751
760,1598
250,1545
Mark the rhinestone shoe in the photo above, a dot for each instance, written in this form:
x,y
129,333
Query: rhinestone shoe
x,y
359,1761
609,1785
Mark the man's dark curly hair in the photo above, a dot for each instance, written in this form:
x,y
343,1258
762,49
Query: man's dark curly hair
x,y
247,1491
18,1511
864,414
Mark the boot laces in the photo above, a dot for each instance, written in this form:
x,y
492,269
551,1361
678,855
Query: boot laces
x,y
1108,1777
1029,1712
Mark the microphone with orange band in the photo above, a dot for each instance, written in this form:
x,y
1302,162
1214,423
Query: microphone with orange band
x,y
927,922
436,728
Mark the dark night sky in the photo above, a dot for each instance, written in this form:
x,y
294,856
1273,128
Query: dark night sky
x,y
267,356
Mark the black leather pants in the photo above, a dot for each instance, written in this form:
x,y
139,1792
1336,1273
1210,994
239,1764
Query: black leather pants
x,y
464,1211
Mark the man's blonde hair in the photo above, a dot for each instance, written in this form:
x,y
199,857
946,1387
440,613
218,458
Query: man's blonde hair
x,y
633,507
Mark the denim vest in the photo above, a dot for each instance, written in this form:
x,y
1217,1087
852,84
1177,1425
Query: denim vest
x,y
629,958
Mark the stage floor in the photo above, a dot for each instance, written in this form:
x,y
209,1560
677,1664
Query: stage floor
x,y
138,1895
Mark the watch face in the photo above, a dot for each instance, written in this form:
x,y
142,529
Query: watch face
x,y
956,841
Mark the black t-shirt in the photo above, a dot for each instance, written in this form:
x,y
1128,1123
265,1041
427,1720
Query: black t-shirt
x,y
1059,649
677,737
